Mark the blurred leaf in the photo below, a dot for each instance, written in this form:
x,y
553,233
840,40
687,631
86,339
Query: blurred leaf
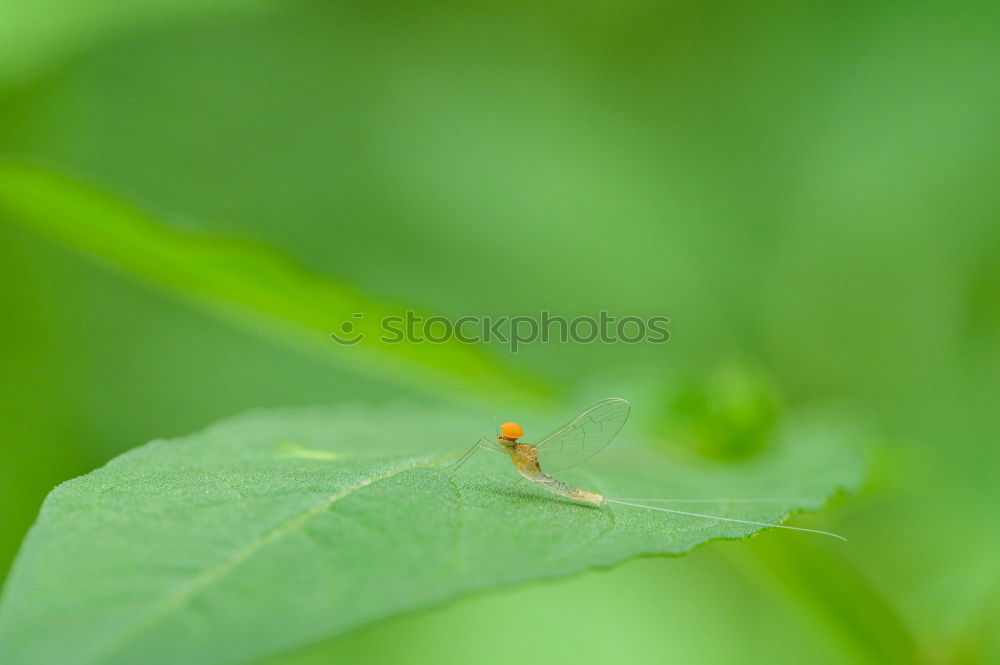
x,y
838,594
246,282
730,413
277,529
35,32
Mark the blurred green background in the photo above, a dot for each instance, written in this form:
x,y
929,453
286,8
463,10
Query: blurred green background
x,y
809,191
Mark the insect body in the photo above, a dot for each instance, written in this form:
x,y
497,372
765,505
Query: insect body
x,y
525,458
576,442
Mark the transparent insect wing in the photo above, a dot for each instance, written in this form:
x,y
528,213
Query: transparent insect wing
x,y
583,437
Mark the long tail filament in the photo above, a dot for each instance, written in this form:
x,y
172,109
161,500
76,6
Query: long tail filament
x,y
725,519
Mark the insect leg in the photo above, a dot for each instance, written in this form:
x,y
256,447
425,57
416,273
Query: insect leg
x,y
457,464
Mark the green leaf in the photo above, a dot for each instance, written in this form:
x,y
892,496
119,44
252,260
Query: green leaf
x,y
33,33
276,529
251,285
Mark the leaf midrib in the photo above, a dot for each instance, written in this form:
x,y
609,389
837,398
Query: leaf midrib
x,y
178,599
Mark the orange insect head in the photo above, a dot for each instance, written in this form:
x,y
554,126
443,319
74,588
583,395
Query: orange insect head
x,y
511,431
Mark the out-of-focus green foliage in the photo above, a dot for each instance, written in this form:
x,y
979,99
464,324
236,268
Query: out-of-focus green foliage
x,y
804,189
244,281
730,413
277,529
34,34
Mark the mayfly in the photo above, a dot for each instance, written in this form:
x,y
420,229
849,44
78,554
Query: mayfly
x,y
576,442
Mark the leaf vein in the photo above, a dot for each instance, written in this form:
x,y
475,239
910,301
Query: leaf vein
x,y
223,568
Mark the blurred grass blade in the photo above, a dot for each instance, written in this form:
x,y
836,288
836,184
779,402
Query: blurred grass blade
x,y
829,586
248,282
277,529
35,33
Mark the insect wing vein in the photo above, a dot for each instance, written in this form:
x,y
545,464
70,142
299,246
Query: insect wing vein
x,y
584,436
